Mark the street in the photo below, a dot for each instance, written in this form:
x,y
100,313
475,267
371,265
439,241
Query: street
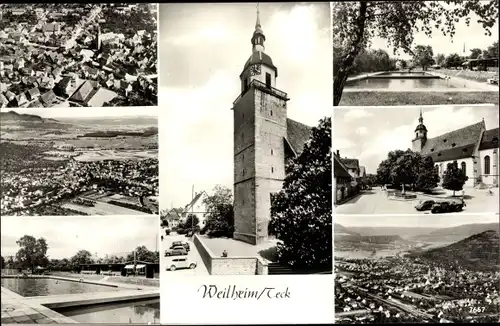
x,y
193,255
375,201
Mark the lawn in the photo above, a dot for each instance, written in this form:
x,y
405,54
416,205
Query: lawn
x,y
364,98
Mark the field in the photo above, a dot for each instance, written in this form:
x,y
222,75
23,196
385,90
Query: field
x,y
116,155
101,208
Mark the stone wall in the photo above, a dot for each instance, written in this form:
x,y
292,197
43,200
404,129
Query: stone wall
x,y
233,265
204,252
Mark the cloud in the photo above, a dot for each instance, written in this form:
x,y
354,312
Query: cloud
x,y
353,114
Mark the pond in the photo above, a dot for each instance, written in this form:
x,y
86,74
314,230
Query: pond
x,y
33,287
131,312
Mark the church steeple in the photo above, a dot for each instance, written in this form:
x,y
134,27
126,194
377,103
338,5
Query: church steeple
x,y
258,37
420,134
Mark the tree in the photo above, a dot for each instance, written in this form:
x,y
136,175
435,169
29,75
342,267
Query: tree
x,y
454,178
301,213
440,59
423,56
32,252
82,257
2,263
191,222
427,177
453,60
356,23
492,51
144,254
408,168
475,53
219,213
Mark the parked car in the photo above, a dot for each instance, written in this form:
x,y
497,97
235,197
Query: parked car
x,y
180,263
424,205
180,244
176,251
448,206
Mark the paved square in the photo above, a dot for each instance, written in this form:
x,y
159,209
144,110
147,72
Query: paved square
x,y
376,201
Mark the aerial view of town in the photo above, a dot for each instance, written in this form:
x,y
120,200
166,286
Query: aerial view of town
x,y
103,164
436,270
78,55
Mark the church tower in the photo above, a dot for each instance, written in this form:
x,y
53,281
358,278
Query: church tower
x,y
260,127
420,135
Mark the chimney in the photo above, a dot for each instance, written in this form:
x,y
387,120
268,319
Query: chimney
x,y
338,153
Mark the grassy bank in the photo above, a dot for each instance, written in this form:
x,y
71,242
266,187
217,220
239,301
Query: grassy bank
x,y
417,98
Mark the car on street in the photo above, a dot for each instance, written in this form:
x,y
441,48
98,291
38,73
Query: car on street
x,y
176,251
448,206
180,244
424,205
180,263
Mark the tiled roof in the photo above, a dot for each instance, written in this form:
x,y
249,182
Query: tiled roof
x,y
350,163
83,91
297,134
48,97
454,145
490,139
452,154
339,170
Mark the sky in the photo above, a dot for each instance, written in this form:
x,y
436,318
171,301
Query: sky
x,y
473,36
369,133
436,221
203,48
66,235
86,112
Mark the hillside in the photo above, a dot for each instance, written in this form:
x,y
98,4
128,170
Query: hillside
x,y
477,252
14,116
342,230
405,232
457,233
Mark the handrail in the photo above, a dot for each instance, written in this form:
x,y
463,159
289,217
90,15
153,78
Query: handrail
x,y
263,87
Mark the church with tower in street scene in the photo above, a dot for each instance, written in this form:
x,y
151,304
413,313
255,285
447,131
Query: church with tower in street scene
x,y
474,147
264,141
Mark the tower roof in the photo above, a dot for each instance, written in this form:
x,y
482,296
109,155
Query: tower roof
x,y
421,126
258,55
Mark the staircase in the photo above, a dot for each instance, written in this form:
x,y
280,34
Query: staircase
x,y
279,269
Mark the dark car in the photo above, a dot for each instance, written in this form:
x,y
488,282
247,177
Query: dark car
x,y
448,207
424,205
176,251
180,244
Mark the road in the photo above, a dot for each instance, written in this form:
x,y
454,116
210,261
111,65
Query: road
x,y
375,201
193,255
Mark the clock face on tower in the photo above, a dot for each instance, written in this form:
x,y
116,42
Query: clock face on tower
x,y
255,70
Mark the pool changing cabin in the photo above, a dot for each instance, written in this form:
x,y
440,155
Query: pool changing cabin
x,y
144,269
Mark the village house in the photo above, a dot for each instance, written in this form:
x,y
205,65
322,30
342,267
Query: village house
x,y
341,179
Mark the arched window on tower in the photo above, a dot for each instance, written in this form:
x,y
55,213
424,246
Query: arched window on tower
x,y
436,168
487,164
463,168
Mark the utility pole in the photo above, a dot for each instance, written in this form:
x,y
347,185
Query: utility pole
x,y
135,263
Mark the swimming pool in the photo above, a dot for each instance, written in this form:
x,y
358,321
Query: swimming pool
x,y
400,81
131,312
33,287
